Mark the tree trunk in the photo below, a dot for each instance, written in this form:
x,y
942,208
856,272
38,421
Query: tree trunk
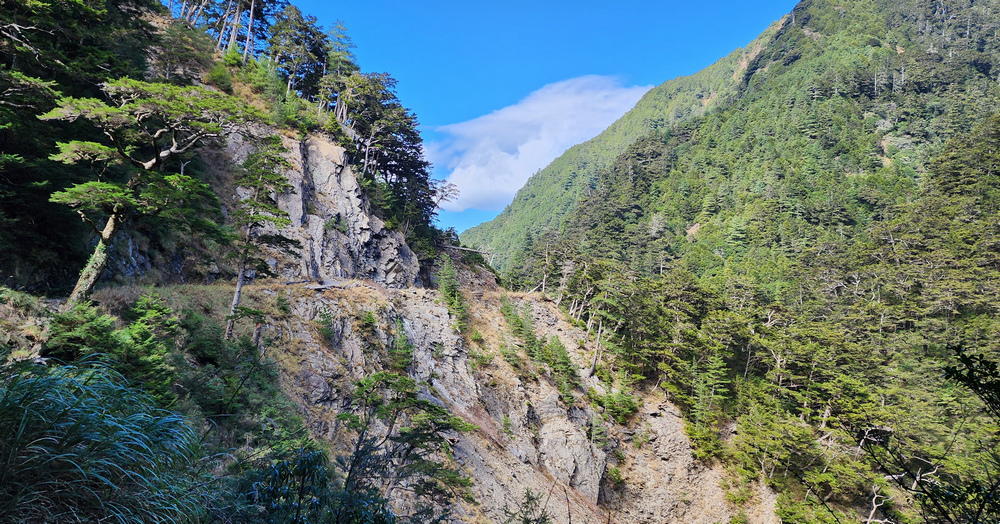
x,y
222,32
597,352
340,113
368,147
98,261
223,22
234,32
249,40
197,14
545,268
257,330
231,323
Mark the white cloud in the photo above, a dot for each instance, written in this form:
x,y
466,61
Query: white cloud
x,y
490,157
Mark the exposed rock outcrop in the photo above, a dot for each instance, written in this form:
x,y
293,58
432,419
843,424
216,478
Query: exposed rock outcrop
x,y
331,218
332,221
527,437
363,282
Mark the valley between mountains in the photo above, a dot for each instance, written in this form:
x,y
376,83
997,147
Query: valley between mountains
x,y
768,293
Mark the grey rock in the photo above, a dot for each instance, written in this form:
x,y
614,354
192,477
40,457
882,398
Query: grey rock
x,y
571,458
332,220
316,386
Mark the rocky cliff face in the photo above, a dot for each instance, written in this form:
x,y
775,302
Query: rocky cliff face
x,y
527,437
331,219
351,269
333,222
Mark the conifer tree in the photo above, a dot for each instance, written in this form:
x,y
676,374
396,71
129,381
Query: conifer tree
x,y
299,47
263,178
340,64
389,151
411,452
147,125
448,285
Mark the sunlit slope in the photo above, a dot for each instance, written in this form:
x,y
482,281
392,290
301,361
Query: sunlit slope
x,y
836,124
552,193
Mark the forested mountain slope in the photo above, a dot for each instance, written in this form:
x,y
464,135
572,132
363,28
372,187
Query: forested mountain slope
x,y
553,193
852,94
179,383
779,305
835,127
808,268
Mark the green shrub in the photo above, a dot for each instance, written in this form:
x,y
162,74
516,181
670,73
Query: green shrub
x,y
140,350
619,405
21,301
401,351
204,338
705,442
232,58
336,223
78,332
220,77
282,305
369,320
615,476
479,359
324,326
145,346
510,355
740,518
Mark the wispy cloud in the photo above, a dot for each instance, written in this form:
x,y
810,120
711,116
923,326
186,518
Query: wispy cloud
x,y
490,157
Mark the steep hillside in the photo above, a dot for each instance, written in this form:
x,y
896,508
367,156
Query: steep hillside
x,y
553,193
529,436
773,297
814,262
840,90
345,311
833,127
532,432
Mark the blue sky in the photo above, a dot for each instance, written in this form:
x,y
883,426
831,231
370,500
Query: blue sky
x,y
502,88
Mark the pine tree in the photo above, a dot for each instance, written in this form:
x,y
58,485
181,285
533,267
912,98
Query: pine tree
x,y
263,178
148,125
448,284
340,64
299,47
389,152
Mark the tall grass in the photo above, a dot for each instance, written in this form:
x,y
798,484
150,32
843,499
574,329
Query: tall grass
x,y
77,444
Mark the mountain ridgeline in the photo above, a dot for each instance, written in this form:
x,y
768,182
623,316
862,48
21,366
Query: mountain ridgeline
x,y
805,262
